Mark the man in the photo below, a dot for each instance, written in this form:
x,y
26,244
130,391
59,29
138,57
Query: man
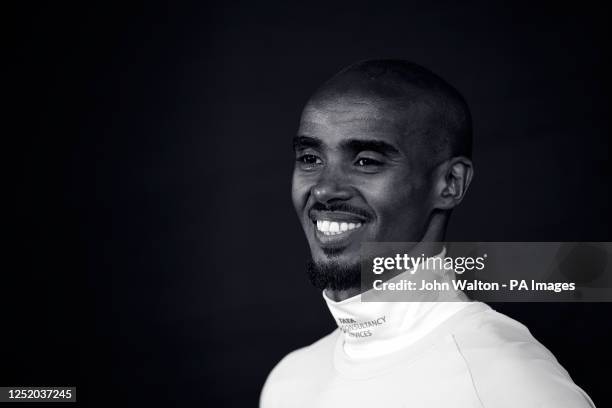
x,y
383,155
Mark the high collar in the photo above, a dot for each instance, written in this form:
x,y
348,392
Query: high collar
x,y
372,329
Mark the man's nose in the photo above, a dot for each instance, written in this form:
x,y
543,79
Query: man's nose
x,y
330,188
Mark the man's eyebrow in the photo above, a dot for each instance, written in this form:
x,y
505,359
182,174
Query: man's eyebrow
x,y
358,145
303,142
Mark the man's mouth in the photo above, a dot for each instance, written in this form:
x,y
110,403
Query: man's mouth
x,y
334,228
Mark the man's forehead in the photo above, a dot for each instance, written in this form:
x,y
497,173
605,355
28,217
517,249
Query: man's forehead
x,y
362,117
343,109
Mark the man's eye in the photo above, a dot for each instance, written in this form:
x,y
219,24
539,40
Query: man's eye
x,y
364,162
309,160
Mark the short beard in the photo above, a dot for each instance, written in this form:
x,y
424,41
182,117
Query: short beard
x,y
334,275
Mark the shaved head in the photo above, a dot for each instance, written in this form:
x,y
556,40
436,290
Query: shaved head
x,y
421,105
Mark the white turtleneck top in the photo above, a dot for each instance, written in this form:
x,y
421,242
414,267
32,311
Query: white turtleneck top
x,y
421,354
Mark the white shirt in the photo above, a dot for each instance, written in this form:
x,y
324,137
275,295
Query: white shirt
x,y
476,358
422,354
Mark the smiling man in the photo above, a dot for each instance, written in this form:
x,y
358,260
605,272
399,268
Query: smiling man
x,y
383,155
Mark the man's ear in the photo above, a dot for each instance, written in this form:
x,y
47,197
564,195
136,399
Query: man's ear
x,y
453,177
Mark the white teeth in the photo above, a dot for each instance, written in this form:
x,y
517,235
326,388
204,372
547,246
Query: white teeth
x,y
334,228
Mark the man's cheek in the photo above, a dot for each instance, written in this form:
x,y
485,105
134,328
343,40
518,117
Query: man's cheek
x,y
385,189
299,193
396,220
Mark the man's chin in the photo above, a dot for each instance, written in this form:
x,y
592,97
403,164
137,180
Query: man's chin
x,y
334,273
342,254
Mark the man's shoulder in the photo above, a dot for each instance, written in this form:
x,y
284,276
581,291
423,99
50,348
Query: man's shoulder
x,y
491,330
493,342
298,370
313,355
504,359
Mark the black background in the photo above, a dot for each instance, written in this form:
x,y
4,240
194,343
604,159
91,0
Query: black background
x,y
154,256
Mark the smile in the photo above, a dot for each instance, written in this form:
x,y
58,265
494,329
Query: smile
x,y
335,228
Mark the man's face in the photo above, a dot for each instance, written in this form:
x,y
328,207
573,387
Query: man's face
x,y
359,176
